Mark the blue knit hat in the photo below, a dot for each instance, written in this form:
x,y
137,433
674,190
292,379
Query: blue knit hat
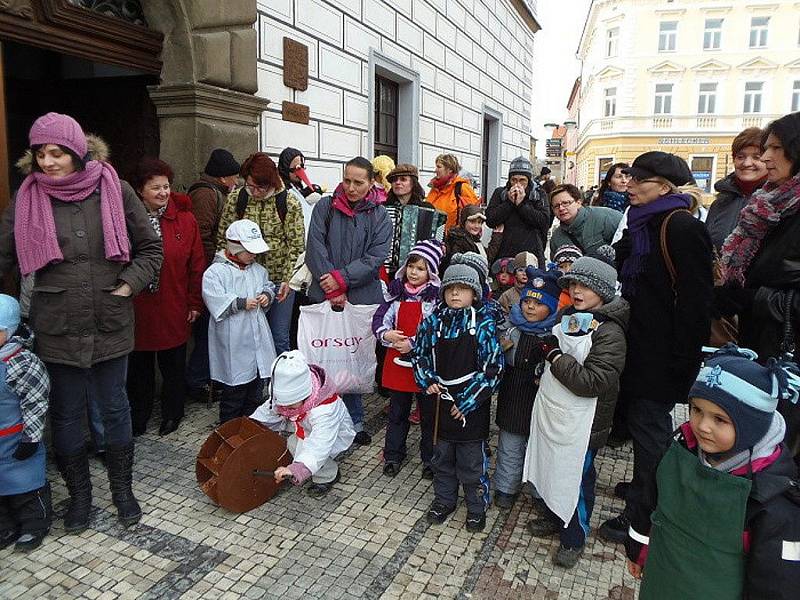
x,y
542,286
9,314
746,390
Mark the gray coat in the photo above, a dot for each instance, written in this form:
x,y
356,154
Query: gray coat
x,y
600,372
355,246
75,318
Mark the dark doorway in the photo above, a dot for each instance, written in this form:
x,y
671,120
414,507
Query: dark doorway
x,y
386,110
109,101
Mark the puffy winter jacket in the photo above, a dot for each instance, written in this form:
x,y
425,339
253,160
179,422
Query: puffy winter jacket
x,y
525,224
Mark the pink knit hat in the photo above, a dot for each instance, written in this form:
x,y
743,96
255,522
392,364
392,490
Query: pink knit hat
x,y
55,128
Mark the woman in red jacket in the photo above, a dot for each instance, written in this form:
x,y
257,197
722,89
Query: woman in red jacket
x,y
169,305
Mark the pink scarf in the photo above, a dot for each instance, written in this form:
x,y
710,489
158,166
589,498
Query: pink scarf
x,y
35,228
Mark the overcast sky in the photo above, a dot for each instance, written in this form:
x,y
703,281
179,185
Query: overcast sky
x,y
554,64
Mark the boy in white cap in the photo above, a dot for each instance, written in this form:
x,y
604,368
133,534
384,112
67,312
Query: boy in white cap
x,y
238,292
25,506
322,426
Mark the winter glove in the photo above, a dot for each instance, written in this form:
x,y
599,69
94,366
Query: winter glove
x,y
550,347
25,450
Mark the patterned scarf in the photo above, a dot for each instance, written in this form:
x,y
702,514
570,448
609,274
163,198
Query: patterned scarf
x,y
767,208
616,200
638,218
538,327
155,221
34,225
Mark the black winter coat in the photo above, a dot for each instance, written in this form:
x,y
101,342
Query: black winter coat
x,y
525,225
724,211
457,240
668,328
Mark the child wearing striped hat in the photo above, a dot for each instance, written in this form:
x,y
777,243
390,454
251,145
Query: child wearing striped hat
x,y
721,516
410,297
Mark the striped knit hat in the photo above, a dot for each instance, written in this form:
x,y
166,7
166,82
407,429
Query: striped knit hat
x,y
431,252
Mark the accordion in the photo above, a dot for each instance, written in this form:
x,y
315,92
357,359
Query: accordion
x,y
412,224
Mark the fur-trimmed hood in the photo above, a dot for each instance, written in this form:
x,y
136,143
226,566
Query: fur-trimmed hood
x,y
97,150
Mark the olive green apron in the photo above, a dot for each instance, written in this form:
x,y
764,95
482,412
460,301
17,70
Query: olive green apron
x,y
696,548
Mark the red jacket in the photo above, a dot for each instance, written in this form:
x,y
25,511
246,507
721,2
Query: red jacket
x,y
161,317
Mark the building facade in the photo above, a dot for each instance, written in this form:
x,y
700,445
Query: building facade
x,y
410,79
682,76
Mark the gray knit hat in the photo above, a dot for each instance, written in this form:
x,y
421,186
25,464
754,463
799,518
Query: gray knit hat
x,y
521,166
464,274
598,276
474,260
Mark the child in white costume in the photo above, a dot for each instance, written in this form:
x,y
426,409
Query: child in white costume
x,y
237,292
322,426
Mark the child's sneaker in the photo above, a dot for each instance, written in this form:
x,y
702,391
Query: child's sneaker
x,y
543,527
415,417
427,472
363,438
391,469
476,522
318,490
30,541
7,537
438,513
503,500
567,557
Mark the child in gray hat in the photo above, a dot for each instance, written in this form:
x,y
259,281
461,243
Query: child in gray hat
x,y
574,407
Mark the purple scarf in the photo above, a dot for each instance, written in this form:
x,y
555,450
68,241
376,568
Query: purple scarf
x,y
638,218
34,225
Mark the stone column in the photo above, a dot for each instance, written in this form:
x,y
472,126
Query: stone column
x,y
206,96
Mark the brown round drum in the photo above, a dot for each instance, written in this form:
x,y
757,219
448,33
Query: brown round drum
x,y
235,463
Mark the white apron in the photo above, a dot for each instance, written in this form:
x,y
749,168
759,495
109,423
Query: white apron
x,y
561,424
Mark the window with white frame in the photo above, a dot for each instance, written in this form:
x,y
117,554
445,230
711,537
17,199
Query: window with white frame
x,y
702,168
707,99
610,102
796,96
612,41
753,91
667,34
712,35
759,28
663,100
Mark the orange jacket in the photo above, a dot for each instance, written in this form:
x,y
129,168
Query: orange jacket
x,y
444,199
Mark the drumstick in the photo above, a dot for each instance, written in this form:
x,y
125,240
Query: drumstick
x,y
436,420
259,473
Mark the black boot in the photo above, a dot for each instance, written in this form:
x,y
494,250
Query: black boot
x,y
119,460
75,471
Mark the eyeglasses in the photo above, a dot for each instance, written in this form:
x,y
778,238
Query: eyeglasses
x,y
563,204
254,189
643,180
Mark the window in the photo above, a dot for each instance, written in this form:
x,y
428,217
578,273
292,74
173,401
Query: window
x,y
612,39
610,102
752,96
603,165
663,104
386,105
712,36
702,170
707,99
796,96
759,27
667,32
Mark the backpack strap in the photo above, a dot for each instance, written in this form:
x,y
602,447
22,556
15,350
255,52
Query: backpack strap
x,y
282,204
241,203
457,194
673,274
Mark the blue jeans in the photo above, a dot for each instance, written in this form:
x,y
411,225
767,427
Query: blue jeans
x,y
355,406
279,318
71,388
197,374
96,426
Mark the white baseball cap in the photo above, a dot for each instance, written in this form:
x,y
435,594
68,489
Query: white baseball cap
x,y
248,234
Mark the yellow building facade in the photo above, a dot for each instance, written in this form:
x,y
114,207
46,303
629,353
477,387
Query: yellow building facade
x,y
683,77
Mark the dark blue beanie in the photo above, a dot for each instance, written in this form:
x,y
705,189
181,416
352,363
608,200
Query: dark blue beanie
x,y
744,389
543,286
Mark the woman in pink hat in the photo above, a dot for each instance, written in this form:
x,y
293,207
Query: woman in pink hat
x,y
86,237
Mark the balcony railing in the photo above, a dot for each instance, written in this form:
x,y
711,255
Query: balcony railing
x,y
683,125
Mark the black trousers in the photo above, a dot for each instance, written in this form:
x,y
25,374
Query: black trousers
x,y
240,400
464,463
650,426
142,384
398,426
30,512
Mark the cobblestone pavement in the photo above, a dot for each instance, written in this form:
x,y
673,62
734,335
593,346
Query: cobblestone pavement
x,y
367,538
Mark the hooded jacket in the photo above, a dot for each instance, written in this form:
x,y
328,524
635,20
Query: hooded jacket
x,y
600,372
161,316
444,198
724,211
76,319
306,196
208,199
525,225
352,247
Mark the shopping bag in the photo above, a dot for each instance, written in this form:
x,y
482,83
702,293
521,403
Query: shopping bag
x,y
342,343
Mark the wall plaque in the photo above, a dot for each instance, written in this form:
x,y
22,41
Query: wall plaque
x,y
296,113
295,64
